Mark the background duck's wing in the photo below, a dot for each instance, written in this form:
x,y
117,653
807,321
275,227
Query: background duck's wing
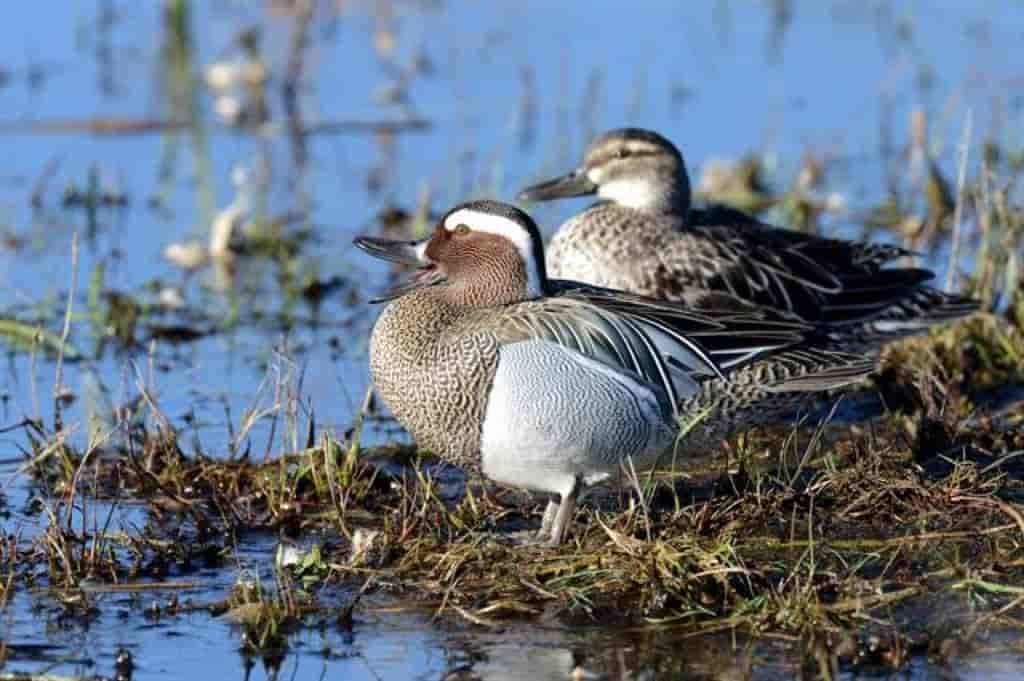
x,y
819,280
789,270
859,254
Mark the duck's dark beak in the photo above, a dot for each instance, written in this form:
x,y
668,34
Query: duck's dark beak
x,y
404,253
575,183
392,250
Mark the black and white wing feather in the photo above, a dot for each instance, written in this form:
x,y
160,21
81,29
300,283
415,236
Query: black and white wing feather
x,y
663,343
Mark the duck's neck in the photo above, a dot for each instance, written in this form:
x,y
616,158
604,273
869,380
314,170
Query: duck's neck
x,y
412,326
660,196
422,325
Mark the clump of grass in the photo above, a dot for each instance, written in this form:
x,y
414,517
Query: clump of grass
x,y
265,616
974,356
313,487
791,556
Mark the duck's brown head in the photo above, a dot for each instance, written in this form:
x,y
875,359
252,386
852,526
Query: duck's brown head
x,y
480,254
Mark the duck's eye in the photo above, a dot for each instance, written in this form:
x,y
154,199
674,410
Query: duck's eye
x,y
462,230
621,153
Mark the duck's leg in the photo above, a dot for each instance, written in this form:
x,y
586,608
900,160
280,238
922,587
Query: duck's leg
x,y
548,520
565,512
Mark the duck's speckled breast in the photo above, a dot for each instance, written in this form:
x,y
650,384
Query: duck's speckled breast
x,y
620,248
434,374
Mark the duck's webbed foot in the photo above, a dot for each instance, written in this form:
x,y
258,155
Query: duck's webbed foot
x,y
556,519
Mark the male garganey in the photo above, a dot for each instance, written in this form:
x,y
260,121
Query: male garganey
x,y
554,385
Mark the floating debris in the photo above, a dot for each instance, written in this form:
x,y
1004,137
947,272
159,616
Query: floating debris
x,y
238,86
188,255
100,125
229,222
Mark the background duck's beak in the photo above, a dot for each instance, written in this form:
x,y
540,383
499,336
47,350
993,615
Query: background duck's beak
x,y
575,183
403,253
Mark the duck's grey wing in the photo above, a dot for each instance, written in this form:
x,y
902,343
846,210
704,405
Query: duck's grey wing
x,y
615,341
662,343
726,331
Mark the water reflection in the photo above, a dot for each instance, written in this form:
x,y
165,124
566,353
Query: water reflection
x,y
552,654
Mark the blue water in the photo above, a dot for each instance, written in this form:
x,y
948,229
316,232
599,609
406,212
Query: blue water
x,y
512,91
718,78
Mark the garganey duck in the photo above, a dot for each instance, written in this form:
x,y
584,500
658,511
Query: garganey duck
x,y
554,385
645,237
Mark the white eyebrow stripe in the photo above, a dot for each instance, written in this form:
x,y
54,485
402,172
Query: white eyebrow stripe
x,y
500,225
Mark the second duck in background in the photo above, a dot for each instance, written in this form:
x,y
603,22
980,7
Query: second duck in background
x,y
646,237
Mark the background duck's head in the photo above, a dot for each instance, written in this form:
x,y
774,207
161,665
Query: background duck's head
x,y
629,166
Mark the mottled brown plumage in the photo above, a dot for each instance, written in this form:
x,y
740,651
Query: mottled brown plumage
x,y
646,239
433,375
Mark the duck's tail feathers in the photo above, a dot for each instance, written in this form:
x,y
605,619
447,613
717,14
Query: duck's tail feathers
x,y
814,369
912,316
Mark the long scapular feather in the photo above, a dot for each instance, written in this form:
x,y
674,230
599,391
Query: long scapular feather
x,y
663,343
